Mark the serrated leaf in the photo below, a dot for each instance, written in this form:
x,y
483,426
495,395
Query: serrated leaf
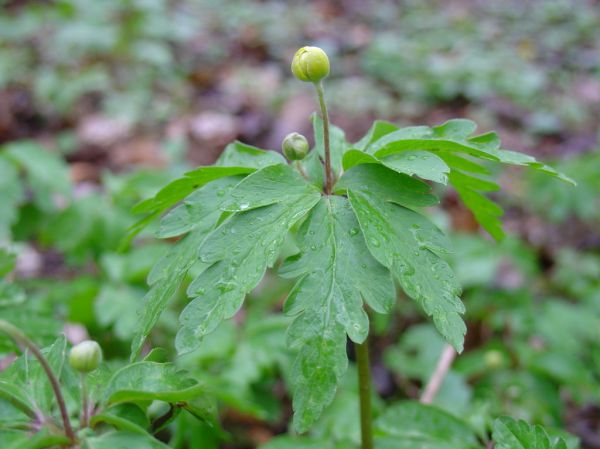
x,y
319,367
336,269
267,203
387,185
408,244
410,425
450,138
423,164
512,434
198,215
143,381
456,136
177,190
486,212
123,440
239,154
200,209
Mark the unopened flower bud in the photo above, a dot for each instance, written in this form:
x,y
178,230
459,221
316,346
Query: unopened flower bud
x,y
86,356
310,64
295,146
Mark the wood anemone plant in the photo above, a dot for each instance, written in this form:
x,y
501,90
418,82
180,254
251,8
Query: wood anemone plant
x,y
355,213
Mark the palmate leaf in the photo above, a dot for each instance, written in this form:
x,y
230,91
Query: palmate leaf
x,y
264,205
197,215
406,242
513,434
336,270
449,147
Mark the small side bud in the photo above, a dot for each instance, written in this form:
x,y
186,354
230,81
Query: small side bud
x,y
295,146
310,64
86,356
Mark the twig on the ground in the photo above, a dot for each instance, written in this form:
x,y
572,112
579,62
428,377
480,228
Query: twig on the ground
x,y
436,379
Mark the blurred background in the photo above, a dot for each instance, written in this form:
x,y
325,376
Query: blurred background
x,y
103,102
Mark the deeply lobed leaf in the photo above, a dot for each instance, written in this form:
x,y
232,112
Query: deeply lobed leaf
x,y
335,270
433,154
407,243
237,253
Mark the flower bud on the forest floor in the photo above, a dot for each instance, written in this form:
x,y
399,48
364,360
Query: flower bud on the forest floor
x,y
295,146
310,64
86,356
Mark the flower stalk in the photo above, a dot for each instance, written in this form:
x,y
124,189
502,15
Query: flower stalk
x,y
21,339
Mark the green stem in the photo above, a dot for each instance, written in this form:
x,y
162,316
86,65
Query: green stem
x,y
85,411
325,117
298,166
364,388
22,339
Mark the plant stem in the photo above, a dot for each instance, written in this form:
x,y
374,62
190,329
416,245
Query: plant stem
x,y
22,339
85,411
326,147
364,388
298,166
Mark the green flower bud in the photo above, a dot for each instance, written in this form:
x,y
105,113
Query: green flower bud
x,y
86,356
295,146
310,64
493,359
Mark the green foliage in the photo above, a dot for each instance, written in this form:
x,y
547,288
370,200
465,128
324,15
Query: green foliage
x,y
236,230
511,434
121,400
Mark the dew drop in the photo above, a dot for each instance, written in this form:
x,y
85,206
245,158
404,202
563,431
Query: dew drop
x,y
353,231
221,192
313,247
376,243
363,266
244,206
412,158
